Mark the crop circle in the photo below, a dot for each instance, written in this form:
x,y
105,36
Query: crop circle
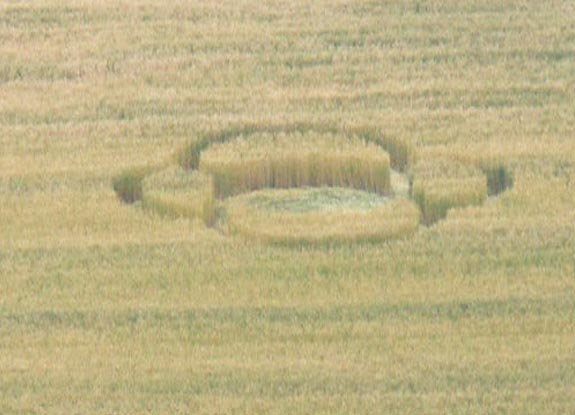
x,y
310,183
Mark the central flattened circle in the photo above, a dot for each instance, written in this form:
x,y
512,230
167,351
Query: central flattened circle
x,y
319,215
320,199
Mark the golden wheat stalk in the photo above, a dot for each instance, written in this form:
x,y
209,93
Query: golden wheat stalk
x,y
296,160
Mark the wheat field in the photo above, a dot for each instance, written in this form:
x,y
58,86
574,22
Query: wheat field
x,y
109,307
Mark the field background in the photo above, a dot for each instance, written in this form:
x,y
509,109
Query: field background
x,y
106,308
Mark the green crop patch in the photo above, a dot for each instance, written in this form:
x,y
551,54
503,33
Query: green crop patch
x,y
128,184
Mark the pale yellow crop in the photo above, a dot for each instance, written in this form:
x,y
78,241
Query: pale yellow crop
x,y
439,185
177,192
295,160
